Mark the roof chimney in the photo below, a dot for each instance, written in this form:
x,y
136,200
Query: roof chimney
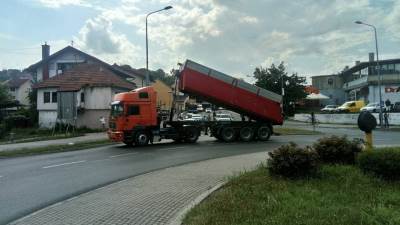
x,y
357,62
45,64
371,57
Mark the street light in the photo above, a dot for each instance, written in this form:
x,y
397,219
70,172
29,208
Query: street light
x,y
379,71
147,44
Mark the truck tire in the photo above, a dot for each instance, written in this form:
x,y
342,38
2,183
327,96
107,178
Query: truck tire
x,y
228,134
264,133
246,133
142,138
191,135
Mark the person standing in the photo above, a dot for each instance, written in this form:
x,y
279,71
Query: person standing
x,y
386,117
388,104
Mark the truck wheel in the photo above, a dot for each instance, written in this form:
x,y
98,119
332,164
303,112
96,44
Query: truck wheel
x,y
228,134
141,138
246,134
263,133
191,135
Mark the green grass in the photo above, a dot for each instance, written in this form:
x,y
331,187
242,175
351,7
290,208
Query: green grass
x,y
55,148
339,195
293,131
34,134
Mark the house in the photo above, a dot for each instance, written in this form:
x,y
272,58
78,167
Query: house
x,y
66,58
77,88
19,88
164,95
331,86
80,96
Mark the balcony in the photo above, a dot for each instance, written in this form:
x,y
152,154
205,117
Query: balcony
x,y
360,82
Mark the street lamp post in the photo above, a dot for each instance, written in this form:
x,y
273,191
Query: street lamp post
x,y
379,71
147,44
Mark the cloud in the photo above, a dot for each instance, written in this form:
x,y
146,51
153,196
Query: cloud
x,y
61,3
312,37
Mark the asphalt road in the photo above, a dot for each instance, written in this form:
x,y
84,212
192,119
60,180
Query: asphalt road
x,y
30,183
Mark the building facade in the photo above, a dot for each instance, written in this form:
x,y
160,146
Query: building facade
x,y
331,86
360,82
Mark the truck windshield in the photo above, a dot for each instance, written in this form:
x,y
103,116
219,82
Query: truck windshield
x,y
117,109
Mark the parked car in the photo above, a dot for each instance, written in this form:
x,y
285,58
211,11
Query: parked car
x,y
329,108
193,117
208,110
200,108
223,117
396,107
372,107
351,106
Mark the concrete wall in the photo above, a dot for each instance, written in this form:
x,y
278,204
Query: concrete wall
x,y
164,94
91,118
348,118
47,118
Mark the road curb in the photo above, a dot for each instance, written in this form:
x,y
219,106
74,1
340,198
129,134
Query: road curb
x,y
177,220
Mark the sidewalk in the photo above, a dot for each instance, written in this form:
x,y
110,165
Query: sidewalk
x,y
159,197
86,137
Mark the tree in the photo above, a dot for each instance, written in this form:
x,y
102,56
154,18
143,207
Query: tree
x,y
5,98
274,78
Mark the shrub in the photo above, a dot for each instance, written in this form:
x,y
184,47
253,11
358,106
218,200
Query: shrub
x,y
293,161
335,149
16,121
383,163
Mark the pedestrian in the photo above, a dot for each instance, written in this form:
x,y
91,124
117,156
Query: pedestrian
x,y
386,116
103,122
388,104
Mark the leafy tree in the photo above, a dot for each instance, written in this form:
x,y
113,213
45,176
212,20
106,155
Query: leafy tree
x,y
5,98
33,112
164,77
274,77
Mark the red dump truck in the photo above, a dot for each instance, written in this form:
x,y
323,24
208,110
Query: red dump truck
x,y
134,118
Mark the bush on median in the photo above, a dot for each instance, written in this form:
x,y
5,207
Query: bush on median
x,y
335,149
293,161
383,163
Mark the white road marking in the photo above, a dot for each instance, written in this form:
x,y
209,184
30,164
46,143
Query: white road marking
x,y
171,148
133,153
63,164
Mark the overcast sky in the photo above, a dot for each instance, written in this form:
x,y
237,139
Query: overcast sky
x,y
234,36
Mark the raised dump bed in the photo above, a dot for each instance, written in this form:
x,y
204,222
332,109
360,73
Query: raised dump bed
x,y
232,93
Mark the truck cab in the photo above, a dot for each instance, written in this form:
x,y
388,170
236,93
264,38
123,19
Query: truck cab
x,y
133,113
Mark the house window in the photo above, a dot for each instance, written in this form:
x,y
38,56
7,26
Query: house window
x,y
143,95
82,96
62,67
46,97
12,88
53,96
330,81
133,110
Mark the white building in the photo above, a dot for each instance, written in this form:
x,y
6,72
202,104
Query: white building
x,y
80,96
77,88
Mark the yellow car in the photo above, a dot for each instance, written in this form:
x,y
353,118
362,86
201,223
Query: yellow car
x,y
351,106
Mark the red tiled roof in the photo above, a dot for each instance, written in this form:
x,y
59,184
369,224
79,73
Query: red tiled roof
x,y
82,75
311,89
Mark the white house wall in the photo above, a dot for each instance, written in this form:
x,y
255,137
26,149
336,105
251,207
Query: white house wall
x,y
40,103
47,119
23,92
97,97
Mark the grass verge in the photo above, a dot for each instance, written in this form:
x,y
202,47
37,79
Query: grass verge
x,y
55,148
340,195
293,131
39,138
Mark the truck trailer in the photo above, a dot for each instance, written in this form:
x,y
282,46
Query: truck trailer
x,y
134,118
